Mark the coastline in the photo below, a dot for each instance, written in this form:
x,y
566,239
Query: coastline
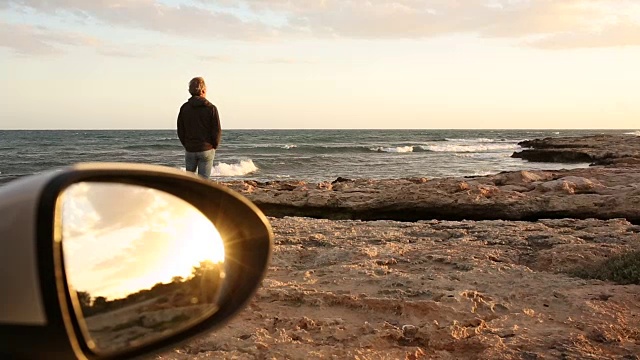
x,y
493,279
608,189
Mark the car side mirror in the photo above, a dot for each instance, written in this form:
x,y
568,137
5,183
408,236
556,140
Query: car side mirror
x,y
114,261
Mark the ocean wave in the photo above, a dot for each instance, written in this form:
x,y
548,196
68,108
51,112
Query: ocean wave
x,y
469,148
475,145
483,155
399,149
636,133
150,147
306,148
265,146
478,140
244,167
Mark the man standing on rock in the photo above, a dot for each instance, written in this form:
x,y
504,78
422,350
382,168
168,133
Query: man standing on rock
x,y
199,129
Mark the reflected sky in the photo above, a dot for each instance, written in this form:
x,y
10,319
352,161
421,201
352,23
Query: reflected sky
x,y
118,239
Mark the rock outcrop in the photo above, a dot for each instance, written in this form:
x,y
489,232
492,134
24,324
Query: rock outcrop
x,y
595,192
596,149
435,290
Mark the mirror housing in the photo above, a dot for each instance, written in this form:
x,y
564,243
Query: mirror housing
x,y
37,319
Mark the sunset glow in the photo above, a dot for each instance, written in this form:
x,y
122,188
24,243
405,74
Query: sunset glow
x,y
322,64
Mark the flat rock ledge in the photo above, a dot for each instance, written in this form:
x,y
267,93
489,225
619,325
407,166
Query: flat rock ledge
x,y
436,290
597,149
597,192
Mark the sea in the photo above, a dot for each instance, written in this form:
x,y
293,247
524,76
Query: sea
x,y
309,155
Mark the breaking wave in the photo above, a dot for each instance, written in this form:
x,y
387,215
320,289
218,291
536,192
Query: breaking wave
x,y
636,133
450,145
244,167
470,148
399,149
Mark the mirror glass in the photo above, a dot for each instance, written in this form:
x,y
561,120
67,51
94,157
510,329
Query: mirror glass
x,y
141,264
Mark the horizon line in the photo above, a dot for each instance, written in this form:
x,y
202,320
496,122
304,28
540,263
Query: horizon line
x,y
334,129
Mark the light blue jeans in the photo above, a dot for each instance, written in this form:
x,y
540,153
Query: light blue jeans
x,y
203,161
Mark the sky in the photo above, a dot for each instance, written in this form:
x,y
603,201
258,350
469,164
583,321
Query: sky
x,y
322,64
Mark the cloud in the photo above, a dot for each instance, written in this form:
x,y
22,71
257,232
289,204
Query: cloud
x,y
37,40
538,23
183,20
43,41
427,18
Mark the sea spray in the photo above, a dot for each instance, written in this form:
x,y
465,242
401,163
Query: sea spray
x,y
244,167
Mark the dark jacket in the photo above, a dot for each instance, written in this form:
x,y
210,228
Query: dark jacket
x,y
199,125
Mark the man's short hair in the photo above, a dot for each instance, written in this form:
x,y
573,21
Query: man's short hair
x,y
197,86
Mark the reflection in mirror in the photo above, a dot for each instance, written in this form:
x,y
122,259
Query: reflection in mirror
x,y
142,264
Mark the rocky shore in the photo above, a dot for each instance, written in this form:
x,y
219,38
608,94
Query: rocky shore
x,y
495,267
597,149
601,193
435,290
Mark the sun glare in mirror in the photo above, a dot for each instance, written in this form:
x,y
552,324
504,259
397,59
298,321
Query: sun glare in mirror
x,y
141,263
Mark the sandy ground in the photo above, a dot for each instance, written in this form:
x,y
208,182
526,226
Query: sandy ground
x,y
434,290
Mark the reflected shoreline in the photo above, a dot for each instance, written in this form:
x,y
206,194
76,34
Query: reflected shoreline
x,y
151,313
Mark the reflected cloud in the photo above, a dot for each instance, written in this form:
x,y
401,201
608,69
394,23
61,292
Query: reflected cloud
x,y
132,237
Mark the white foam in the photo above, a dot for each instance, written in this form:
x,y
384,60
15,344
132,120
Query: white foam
x,y
287,147
469,148
399,149
483,173
636,133
244,167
